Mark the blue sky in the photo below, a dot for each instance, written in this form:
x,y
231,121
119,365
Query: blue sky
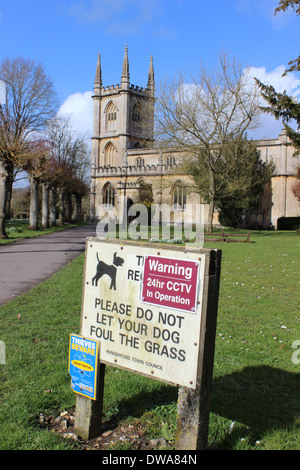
x,y
66,36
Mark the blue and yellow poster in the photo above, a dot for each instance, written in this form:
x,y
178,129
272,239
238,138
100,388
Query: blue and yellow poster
x,y
83,365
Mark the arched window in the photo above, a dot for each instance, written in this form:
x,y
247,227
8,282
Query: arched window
x,y
109,195
111,117
140,162
179,196
170,161
136,117
109,155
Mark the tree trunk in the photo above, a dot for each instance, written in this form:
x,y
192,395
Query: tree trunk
x,y
62,207
34,204
68,207
9,196
77,210
53,207
211,209
45,206
212,197
3,199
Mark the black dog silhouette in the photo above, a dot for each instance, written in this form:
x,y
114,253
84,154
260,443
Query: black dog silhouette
x,y
110,270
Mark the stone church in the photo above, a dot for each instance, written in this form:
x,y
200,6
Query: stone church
x,y
126,163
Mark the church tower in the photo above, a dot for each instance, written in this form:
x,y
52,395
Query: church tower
x,y
123,120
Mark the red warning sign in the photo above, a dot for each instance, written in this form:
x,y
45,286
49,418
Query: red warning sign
x,y
170,282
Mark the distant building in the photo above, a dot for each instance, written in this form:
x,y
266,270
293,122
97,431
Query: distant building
x,y
126,163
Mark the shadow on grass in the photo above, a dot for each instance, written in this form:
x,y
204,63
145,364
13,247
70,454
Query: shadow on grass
x,y
262,398
146,401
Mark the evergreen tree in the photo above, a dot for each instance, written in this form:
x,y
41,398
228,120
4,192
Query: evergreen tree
x,y
244,185
282,106
240,176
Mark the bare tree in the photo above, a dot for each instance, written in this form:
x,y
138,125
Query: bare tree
x,y
200,119
38,167
68,145
30,101
69,164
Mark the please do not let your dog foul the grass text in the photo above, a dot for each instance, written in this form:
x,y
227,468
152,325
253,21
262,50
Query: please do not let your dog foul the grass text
x,y
144,309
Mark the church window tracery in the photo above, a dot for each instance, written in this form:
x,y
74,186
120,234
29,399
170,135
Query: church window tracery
x,y
111,117
136,117
179,196
109,195
109,155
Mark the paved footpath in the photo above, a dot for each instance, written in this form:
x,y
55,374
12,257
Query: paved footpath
x,y
25,263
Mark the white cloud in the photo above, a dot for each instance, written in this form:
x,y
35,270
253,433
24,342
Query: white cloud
x,y
288,83
117,16
80,108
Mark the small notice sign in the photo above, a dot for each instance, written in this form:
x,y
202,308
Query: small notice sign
x,y
170,282
83,363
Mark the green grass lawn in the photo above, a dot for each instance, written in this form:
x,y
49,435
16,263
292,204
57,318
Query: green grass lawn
x,y
255,401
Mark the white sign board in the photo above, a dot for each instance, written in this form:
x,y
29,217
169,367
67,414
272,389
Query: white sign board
x,y
158,339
